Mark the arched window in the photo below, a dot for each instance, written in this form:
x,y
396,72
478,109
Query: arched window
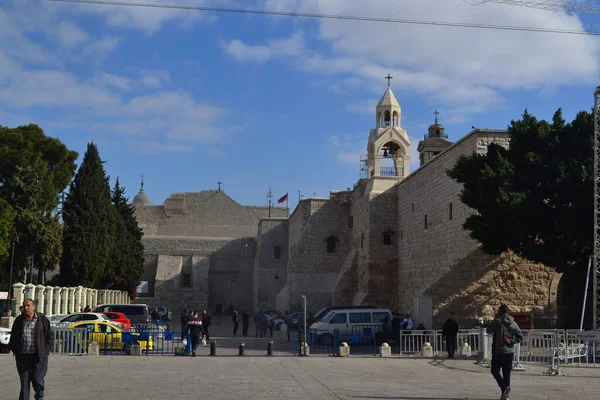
x,y
331,242
387,238
277,253
387,118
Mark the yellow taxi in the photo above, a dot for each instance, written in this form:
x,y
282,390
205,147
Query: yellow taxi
x,y
111,337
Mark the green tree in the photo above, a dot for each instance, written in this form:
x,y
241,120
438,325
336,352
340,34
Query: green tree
x,y
89,223
7,216
34,170
127,258
534,198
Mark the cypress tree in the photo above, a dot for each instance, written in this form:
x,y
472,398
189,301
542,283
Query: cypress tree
x,y
127,258
89,218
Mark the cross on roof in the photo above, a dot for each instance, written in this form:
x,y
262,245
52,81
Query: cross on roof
x,y
436,112
389,78
219,183
142,176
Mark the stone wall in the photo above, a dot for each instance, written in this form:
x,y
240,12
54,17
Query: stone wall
x,y
210,213
430,240
480,283
270,268
312,271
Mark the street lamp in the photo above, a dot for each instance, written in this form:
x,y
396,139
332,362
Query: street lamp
x,y
10,278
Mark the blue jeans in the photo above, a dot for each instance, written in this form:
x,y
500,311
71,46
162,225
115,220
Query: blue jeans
x,y
32,372
504,362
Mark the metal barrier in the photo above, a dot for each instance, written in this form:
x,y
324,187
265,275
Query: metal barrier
x,y
319,341
364,339
70,341
411,342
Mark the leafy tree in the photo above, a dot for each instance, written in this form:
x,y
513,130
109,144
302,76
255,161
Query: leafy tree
x,y
127,258
534,198
89,218
34,170
7,216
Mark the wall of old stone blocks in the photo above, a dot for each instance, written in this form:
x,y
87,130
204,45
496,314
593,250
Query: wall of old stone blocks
x,y
480,283
270,274
383,258
429,241
312,271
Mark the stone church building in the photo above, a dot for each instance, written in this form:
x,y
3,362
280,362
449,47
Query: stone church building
x,y
395,240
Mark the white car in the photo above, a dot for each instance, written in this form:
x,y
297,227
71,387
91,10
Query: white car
x,y
4,339
79,317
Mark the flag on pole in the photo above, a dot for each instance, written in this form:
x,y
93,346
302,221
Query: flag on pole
x,y
282,199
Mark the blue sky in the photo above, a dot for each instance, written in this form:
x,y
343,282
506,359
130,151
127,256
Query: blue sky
x,y
191,98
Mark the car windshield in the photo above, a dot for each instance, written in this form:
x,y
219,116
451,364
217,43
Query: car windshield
x,y
327,316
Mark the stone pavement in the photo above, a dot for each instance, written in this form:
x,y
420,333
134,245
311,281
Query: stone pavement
x,y
260,377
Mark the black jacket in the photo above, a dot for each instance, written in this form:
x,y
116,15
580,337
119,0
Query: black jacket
x,y
450,328
44,338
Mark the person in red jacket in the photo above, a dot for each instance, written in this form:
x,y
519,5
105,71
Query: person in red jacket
x,y
31,341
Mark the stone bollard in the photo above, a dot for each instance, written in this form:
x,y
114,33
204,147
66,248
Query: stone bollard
x,y
427,350
241,349
304,349
385,350
213,347
465,350
180,350
136,350
344,350
270,348
6,322
93,349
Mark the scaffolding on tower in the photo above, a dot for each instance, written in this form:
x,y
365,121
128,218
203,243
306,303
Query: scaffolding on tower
x,y
596,255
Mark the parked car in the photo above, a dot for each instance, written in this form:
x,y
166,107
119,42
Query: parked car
x,y
139,314
109,336
79,317
117,317
349,321
4,340
323,311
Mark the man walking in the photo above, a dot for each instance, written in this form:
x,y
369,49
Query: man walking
x,y
155,317
205,323
31,340
245,323
506,334
236,322
450,331
194,327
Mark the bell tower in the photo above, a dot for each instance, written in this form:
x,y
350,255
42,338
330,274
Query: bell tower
x,y
388,150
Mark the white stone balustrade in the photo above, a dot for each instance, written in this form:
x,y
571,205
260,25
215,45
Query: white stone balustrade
x,y
40,297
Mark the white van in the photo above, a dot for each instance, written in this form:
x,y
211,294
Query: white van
x,y
350,320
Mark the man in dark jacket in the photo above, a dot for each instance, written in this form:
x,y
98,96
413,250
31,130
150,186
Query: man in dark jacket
x,y
31,340
450,331
245,323
194,327
506,335
205,324
235,317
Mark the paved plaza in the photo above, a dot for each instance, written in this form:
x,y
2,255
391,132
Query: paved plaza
x,y
259,377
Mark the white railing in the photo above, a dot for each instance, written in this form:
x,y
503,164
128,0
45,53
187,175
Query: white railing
x,y
70,341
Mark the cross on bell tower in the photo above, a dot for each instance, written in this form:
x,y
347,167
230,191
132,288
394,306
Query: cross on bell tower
x,y
389,78
436,113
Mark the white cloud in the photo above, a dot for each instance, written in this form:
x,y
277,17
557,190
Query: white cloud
x,y
466,70
99,50
70,35
294,46
115,81
154,79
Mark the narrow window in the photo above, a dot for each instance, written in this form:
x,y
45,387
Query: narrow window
x,y
362,240
277,253
387,238
401,235
450,211
350,222
425,220
331,241
413,207
186,280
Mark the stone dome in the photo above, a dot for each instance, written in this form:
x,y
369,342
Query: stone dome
x,y
141,199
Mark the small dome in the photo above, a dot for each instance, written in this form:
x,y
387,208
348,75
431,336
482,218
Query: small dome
x,y
141,199
437,130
